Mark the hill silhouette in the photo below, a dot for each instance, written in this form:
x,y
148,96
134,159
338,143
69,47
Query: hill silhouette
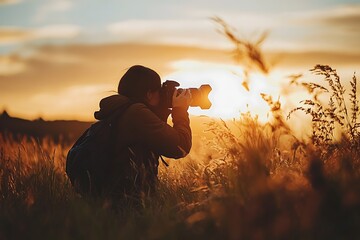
x,y
68,131
65,131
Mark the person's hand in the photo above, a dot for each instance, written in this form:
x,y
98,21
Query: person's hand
x,y
182,100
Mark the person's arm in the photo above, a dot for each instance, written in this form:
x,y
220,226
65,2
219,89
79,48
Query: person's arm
x,y
173,142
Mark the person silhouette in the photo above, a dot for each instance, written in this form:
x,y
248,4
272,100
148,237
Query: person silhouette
x,y
142,135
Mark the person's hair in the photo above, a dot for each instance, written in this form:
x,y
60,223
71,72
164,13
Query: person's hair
x,y
137,81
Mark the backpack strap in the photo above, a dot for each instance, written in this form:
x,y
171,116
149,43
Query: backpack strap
x,y
114,117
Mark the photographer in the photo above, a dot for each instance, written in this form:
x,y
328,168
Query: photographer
x,y
142,134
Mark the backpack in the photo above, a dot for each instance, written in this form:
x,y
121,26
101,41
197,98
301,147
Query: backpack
x,y
87,159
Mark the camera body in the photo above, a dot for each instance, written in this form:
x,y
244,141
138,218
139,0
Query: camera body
x,y
199,96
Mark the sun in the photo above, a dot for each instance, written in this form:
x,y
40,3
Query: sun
x,y
229,97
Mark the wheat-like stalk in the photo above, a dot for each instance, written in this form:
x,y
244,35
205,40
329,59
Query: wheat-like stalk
x,y
354,107
248,53
324,116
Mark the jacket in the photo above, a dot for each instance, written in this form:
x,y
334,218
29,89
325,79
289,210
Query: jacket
x,y
142,135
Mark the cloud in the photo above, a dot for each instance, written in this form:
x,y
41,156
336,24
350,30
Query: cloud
x,y
347,17
10,35
5,2
57,56
51,7
53,67
327,29
56,31
316,30
194,32
10,65
175,31
58,103
13,35
55,70
295,31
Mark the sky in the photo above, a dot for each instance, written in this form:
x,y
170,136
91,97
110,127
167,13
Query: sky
x,y
58,58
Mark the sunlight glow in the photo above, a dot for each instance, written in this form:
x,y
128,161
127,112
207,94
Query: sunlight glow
x,y
229,98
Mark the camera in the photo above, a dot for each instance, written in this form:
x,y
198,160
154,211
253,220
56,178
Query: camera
x,y
199,96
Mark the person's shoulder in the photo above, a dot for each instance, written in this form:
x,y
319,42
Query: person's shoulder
x,y
138,109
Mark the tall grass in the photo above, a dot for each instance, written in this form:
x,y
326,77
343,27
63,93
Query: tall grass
x,y
327,117
263,186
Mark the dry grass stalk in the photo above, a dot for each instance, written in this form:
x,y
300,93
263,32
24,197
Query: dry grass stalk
x,y
325,117
247,53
